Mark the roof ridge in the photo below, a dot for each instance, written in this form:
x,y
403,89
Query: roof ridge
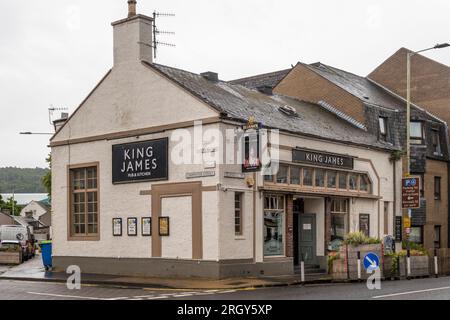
x,y
260,75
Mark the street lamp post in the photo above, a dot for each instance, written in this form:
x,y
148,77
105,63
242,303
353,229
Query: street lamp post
x,y
408,115
408,101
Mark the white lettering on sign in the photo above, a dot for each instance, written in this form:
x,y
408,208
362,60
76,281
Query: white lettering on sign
x,y
138,159
325,159
307,226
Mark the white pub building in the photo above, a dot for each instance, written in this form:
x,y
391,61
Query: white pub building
x,y
130,198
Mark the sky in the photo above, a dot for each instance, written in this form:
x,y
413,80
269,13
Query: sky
x,y
53,52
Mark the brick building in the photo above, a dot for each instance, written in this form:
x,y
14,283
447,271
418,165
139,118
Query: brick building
x,y
381,112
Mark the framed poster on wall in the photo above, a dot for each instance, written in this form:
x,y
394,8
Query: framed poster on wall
x,y
164,226
146,227
132,227
117,227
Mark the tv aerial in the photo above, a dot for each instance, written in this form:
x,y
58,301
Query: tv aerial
x,y
157,32
53,109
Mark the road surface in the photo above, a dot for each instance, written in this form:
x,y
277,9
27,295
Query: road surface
x,y
429,288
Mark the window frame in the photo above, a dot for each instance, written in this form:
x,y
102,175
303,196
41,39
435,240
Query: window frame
x,y
382,126
437,188
280,207
436,142
362,216
417,139
240,195
71,236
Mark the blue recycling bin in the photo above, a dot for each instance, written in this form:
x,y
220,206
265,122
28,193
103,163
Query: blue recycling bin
x,y
46,250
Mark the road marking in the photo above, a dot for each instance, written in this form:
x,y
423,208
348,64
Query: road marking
x,y
409,292
66,296
227,291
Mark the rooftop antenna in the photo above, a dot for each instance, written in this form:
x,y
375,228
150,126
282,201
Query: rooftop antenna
x,y
53,109
157,32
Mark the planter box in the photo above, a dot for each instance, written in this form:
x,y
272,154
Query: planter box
x,y
346,268
10,258
420,267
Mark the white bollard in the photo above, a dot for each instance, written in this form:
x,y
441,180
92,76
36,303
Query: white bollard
x,y
436,270
302,271
359,265
408,265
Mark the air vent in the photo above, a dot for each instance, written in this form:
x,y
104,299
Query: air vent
x,y
290,111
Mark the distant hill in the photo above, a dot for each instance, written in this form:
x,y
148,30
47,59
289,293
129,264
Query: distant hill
x,y
22,180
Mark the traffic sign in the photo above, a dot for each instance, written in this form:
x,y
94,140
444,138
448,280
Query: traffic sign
x,y
371,261
411,193
407,222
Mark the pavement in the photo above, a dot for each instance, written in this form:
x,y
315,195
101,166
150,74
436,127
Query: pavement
x,y
33,270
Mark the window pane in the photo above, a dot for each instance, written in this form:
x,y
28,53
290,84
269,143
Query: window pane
x,y
295,175
338,226
282,174
416,235
416,130
268,178
382,123
331,179
273,233
364,184
307,177
342,180
364,224
353,181
320,178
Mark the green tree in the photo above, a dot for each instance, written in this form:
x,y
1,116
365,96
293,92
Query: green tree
x,y
12,206
47,178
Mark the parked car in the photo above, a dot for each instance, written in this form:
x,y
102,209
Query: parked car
x,y
12,234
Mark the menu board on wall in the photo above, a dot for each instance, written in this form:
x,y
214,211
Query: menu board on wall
x,y
117,227
132,226
146,225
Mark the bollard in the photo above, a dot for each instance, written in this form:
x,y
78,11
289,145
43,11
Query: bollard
x,y
302,270
359,265
436,270
408,264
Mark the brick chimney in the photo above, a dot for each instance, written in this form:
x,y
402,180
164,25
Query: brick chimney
x,y
133,37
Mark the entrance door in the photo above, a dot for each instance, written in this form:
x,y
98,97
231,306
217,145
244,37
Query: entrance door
x,y
307,238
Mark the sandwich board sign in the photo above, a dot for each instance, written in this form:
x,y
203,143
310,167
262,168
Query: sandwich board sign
x,y
411,193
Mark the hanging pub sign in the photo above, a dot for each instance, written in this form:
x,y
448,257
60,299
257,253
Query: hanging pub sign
x,y
251,161
140,161
320,158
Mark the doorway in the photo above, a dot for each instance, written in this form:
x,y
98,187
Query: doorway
x,y
307,238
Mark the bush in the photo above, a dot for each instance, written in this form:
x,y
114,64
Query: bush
x,y
359,238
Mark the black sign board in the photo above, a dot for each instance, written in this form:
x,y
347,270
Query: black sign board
x,y
398,228
322,158
140,161
252,161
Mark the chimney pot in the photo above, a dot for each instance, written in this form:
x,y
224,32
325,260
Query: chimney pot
x,y
211,76
131,8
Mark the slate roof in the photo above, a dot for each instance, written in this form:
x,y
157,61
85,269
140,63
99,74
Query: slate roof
x,y
361,87
263,80
240,103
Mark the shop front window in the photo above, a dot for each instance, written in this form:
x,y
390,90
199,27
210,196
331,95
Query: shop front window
x,y
353,182
282,174
331,179
307,177
339,217
416,235
273,226
320,178
364,224
295,175
342,180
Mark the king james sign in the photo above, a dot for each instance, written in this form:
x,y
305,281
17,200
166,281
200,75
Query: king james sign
x,y
322,158
140,161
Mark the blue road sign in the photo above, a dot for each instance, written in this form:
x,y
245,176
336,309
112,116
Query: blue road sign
x,y
371,261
